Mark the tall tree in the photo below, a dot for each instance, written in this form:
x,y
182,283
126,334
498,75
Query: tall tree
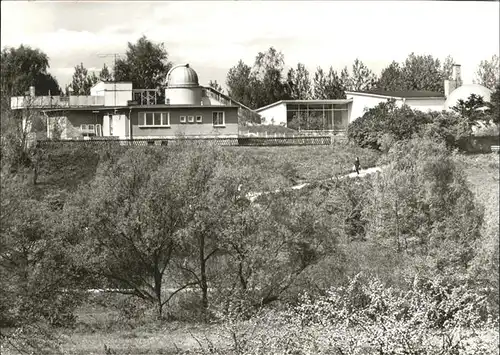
x,y
423,72
299,83
238,82
391,78
494,105
328,86
268,70
426,206
215,85
448,67
23,67
472,110
146,64
488,73
345,79
105,74
362,78
128,222
82,81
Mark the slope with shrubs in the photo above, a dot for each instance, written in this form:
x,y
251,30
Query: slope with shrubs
x,y
154,223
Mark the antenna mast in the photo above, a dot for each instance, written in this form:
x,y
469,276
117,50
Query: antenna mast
x,y
115,56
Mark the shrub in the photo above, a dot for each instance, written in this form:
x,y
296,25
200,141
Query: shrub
x,y
384,119
421,206
450,128
366,317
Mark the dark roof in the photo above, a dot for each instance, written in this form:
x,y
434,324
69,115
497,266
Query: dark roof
x,y
404,94
326,101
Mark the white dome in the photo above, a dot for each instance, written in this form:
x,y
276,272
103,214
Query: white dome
x,y
464,92
182,76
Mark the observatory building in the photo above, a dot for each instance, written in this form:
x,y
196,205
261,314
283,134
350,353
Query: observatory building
x,y
116,109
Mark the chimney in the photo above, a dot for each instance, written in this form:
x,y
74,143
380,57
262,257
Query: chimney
x,y
449,86
456,73
455,82
32,91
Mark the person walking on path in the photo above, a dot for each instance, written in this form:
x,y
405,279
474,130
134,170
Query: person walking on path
x,y
356,165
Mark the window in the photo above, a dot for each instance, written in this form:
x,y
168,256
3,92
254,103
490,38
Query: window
x,y
190,119
154,119
183,119
199,119
218,118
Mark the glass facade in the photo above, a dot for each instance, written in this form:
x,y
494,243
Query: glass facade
x,y
312,116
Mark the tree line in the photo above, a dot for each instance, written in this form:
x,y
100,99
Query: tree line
x,y
265,81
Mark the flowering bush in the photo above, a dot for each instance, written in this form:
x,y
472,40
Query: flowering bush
x,y
366,317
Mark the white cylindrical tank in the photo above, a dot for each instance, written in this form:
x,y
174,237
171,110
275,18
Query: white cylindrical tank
x,y
182,86
183,96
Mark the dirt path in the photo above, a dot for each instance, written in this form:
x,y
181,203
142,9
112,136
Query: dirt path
x,y
252,196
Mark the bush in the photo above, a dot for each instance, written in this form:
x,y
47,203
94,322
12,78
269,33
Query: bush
x,y
421,206
450,128
385,121
366,317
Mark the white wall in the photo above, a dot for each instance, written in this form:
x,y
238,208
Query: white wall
x,y
119,123
426,105
274,115
362,102
123,93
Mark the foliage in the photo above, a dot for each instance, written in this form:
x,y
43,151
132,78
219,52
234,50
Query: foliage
x,y
421,206
146,64
423,72
269,82
39,280
215,85
239,83
105,74
329,86
128,219
16,148
298,83
450,128
362,78
261,84
82,81
391,78
269,248
23,67
494,106
366,317
418,72
386,118
447,69
488,73
470,109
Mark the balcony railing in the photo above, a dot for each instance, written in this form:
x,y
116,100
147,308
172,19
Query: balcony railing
x,y
18,102
147,96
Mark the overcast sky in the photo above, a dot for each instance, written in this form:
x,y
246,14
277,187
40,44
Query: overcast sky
x,y
213,35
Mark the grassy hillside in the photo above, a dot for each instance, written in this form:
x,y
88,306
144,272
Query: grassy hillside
x,y
65,167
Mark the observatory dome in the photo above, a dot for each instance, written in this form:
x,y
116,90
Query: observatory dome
x,y
182,76
463,93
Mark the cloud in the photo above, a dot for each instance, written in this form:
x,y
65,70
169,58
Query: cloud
x,y
215,35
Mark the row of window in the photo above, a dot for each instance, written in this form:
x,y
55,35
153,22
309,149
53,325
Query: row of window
x,y
162,119
190,119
